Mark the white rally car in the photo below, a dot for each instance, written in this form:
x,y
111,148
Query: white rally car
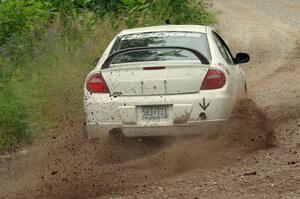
x,y
163,80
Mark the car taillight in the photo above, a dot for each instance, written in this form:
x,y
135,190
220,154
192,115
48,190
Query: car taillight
x,y
96,84
214,79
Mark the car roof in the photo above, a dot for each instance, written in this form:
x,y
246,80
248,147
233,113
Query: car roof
x,y
188,28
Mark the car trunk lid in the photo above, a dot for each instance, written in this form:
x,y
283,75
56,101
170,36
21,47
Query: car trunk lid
x,y
155,78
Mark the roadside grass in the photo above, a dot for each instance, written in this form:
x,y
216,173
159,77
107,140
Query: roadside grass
x,y
41,88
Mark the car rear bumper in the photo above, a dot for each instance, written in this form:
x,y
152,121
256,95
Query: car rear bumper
x,y
95,130
189,114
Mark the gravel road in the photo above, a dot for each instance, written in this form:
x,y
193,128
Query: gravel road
x,y
257,154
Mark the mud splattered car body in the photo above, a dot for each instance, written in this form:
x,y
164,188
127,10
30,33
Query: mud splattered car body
x,y
163,80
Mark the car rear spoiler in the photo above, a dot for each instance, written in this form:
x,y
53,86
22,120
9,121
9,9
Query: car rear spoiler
x,y
199,55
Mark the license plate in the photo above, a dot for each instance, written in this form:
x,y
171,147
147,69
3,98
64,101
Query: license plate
x,y
154,112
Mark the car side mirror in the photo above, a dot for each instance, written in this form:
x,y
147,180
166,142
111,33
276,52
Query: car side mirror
x,y
242,58
95,62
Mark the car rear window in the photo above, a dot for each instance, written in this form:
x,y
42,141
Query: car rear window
x,y
154,55
193,40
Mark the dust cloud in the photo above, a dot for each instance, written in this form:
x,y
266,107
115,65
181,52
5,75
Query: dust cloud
x,y
76,168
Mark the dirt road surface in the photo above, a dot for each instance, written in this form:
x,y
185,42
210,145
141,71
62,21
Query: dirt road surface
x,y
245,161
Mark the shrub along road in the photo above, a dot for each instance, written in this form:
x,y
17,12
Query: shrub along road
x,y
241,163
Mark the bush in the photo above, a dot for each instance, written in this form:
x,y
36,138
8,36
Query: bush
x,y
187,12
20,20
13,119
155,12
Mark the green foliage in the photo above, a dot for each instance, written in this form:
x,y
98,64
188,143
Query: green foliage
x,y
181,12
154,12
47,47
21,19
13,119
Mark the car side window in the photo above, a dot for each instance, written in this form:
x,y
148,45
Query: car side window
x,y
223,48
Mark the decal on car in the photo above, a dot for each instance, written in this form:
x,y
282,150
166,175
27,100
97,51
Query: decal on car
x,y
204,106
162,34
